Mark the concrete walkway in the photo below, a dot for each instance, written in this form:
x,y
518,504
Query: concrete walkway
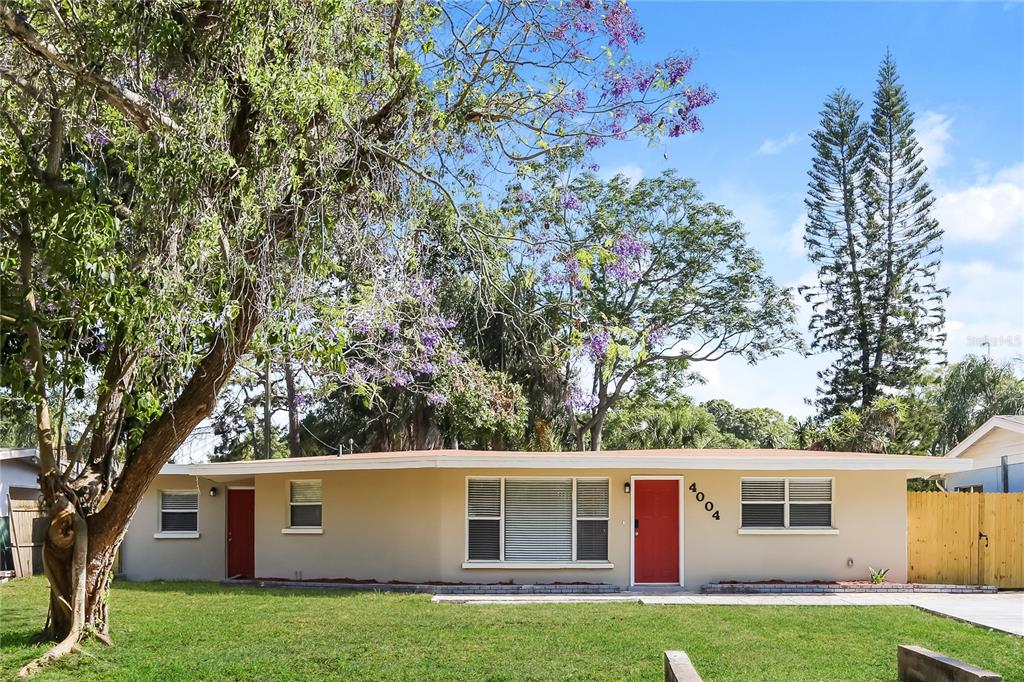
x,y
1003,611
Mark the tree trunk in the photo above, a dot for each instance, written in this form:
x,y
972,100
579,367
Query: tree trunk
x,y
294,435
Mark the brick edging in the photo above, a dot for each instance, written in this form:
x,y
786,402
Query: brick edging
x,y
842,588
600,588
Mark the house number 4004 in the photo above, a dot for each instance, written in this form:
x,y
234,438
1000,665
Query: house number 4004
x,y
708,505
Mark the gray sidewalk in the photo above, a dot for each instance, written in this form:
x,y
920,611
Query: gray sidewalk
x,y
1003,611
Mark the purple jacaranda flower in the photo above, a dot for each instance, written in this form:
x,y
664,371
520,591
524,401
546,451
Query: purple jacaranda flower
x,y
622,26
620,85
656,336
623,272
676,69
101,346
645,117
571,202
469,148
401,378
435,398
593,167
391,327
426,367
430,340
628,246
97,139
421,290
596,345
578,400
523,197
455,360
49,307
594,141
164,89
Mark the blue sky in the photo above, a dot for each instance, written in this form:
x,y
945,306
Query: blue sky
x,y
772,65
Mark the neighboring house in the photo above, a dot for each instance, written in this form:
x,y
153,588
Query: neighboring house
x,y
997,450
680,517
19,479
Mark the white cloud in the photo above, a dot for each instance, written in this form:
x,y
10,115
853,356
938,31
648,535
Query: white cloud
x,y
933,134
795,235
986,302
771,146
986,211
630,171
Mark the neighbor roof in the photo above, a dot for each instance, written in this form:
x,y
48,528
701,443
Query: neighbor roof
x,y
17,453
1009,422
768,460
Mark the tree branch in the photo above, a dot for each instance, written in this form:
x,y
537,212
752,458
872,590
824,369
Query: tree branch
x,y
136,108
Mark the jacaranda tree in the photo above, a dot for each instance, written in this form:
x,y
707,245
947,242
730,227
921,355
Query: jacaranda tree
x,y
175,175
652,280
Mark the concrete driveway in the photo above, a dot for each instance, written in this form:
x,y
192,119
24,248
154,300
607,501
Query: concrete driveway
x,y
1003,611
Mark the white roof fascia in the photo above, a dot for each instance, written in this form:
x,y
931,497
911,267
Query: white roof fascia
x,y
997,422
16,453
920,465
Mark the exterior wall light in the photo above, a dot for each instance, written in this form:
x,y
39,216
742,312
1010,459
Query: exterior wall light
x,y
213,491
626,487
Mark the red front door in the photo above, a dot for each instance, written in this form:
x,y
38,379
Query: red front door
x,y
656,531
241,533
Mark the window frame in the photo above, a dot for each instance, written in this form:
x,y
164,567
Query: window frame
x,y
162,534
970,488
501,562
786,528
299,530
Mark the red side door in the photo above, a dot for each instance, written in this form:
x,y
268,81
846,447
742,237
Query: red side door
x,y
656,531
241,533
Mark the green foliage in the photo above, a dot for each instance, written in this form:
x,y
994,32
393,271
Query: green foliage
x,y
970,392
675,424
757,427
650,279
877,575
871,235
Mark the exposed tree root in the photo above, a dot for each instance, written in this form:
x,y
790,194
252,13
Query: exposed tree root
x,y
65,522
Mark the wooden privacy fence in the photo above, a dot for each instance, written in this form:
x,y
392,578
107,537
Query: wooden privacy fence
x,y
966,538
28,525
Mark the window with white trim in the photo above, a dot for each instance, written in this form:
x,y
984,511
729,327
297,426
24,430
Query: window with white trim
x,y
537,520
179,511
305,504
786,502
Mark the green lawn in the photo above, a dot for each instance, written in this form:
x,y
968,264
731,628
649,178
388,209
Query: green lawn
x,y
206,631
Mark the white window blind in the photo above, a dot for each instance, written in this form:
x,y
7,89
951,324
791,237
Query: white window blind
x,y
538,520
786,503
305,503
179,511
532,520
592,519
484,506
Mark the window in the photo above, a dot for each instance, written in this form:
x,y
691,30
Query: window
x,y
970,488
305,504
179,512
786,502
537,520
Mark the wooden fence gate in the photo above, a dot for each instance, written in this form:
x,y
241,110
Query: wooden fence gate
x,y
28,526
966,538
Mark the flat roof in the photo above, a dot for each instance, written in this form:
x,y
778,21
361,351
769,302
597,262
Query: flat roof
x,y
733,459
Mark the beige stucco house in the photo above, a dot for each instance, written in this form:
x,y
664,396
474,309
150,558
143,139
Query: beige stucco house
x,y
677,517
996,449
